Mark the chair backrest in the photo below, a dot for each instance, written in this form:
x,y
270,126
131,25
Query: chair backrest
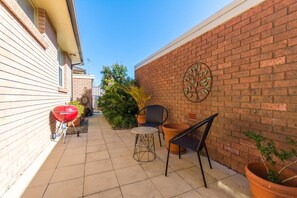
x,y
207,123
155,114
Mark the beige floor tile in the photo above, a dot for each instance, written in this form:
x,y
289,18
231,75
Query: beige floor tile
x,y
112,193
155,168
69,188
218,171
115,153
72,160
190,194
96,148
113,139
162,153
68,172
140,189
235,186
171,185
130,174
50,163
74,151
193,177
125,161
42,178
72,145
98,167
95,142
112,146
57,153
179,164
35,192
97,156
100,182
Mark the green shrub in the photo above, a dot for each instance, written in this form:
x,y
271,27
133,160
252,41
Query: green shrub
x,y
118,107
80,107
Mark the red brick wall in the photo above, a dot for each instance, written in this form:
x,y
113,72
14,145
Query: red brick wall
x,y
253,59
82,87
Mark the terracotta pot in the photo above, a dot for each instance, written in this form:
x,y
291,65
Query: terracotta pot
x,y
141,119
76,122
171,130
260,187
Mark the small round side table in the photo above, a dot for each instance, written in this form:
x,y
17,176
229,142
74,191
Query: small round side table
x,y
144,148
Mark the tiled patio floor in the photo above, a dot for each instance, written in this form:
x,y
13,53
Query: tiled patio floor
x,y
100,164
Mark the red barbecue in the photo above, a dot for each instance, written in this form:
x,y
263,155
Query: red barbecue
x,y
64,114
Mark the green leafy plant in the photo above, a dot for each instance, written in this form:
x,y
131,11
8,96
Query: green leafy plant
x,y
139,95
117,106
270,155
80,107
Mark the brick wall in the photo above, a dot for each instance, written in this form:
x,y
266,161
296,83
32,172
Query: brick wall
x,y
253,61
82,87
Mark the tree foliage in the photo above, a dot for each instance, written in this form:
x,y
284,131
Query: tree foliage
x,y
118,107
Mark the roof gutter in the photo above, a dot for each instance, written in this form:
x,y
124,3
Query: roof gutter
x,y
71,10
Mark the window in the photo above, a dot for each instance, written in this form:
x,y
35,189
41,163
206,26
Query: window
x,y
61,68
28,7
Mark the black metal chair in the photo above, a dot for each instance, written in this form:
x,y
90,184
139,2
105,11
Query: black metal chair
x,y
155,116
188,140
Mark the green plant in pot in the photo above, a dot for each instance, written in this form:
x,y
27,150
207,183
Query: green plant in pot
x,y
140,98
274,176
80,109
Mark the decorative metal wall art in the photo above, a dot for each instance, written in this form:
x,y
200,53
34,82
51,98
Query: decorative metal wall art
x,y
197,82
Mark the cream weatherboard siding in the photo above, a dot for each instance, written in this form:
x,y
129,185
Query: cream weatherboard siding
x,y
28,92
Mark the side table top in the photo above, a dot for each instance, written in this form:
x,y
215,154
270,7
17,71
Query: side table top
x,y
144,130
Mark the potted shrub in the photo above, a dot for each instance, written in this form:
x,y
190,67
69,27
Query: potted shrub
x,y
140,98
80,109
269,178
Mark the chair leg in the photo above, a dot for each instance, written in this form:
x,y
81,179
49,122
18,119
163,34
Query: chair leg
x,y
136,139
159,138
178,152
207,156
162,133
201,168
167,160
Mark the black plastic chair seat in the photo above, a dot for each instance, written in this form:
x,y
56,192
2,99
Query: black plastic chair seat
x,y
187,142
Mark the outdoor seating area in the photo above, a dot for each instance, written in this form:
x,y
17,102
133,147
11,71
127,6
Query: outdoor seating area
x,y
100,163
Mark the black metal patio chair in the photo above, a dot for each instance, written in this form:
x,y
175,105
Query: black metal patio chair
x,y
189,140
155,116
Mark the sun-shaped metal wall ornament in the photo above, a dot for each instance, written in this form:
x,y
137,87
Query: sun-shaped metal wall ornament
x,y
197,82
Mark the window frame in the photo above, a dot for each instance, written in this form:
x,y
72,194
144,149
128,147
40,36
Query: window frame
x,y
61,69
32,5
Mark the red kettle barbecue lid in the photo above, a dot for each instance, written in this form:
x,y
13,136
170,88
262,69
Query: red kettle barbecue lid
x,y
65,113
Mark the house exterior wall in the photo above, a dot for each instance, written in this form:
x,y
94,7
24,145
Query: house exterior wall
x,y
82,86
253,60
28,92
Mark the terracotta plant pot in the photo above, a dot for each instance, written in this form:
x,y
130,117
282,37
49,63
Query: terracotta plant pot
x,y
76,122
141,119
260,187
171,130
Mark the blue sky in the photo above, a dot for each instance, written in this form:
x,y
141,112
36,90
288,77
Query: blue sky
x,y
128,31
